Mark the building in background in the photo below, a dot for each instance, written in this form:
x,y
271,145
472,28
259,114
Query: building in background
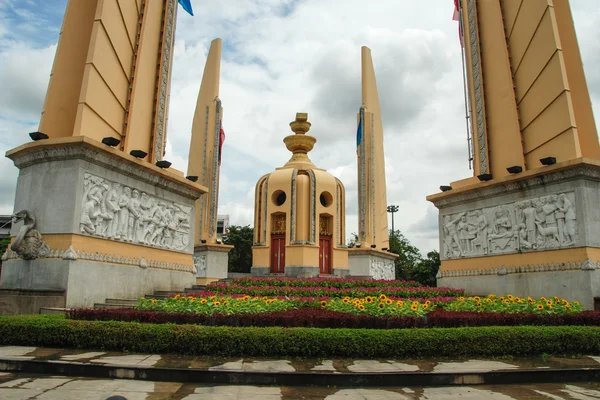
x,y
222,226
5,225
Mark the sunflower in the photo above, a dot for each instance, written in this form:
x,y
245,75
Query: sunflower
x,y
388,301
414,307
203,301
478,304
347,298
216,303
382,296
510,296
425,306
381,305
369,299
501,298
323,303
540,307
529,299
549,304
361,307
399,303
153,301
461,299
143,298
346,301
556,300
543,298
177,296
476,298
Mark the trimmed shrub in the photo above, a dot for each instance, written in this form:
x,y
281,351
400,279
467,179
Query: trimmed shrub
x,y
56,331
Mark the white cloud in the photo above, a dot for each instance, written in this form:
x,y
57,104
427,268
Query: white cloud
x,y
283,57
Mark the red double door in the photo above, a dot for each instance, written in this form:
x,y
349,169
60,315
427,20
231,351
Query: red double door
x,y
325,254
277,253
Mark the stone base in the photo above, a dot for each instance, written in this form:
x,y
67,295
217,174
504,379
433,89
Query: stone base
x,y
341,272
580,285
373,263
212,261
301,271
522,233
260,271
15,302
87,282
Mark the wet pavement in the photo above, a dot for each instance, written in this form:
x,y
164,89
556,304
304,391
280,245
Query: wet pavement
x,y
41,387
293,365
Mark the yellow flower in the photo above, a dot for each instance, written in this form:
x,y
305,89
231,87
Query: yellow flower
x,y
177,296
492,296
382,296
529,299
543,298
203,301
399,303
478,304
510,296
428,302
323,303
549,304
461,298
540,307
488,300
576,303
381,305
414,307
388,301
361,307
143,298
216,303
556,300
501,298
476,298
153,301
425,306
369,299
345,301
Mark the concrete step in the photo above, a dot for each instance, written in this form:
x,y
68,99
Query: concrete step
x,y
98,306
53,310
125,302
157,296
168,292
195,289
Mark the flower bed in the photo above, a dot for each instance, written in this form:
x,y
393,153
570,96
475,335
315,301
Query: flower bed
x,y
319,291
320,282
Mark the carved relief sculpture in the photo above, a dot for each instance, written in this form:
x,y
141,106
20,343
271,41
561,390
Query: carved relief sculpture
x,y
122,213
382,269
547,222
278,224
28,243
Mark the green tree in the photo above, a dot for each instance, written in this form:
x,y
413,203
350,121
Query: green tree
x,y
3,246
409,255
426,270
240,257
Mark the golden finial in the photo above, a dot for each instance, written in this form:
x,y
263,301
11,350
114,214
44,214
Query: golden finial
x,y
300,143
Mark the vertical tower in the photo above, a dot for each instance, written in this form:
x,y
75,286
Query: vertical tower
x,y
373,235
530,207
204,162
112,72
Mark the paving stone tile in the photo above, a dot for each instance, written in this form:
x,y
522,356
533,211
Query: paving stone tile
x,y
229,366
378,366
462,392
45,383
577,392
270,366
472,366
325,365
15,383
82,356
18,394
17,352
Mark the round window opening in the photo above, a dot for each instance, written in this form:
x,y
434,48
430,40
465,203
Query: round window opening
x,y
326,199
279,197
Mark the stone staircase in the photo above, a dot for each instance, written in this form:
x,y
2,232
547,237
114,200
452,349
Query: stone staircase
x,y
158,295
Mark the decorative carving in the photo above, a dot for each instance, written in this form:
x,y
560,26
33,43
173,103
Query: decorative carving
x,y
382,269
324,228
200,266
70,254
477,88
28,243
163,82
278,224
547,222
143,263
119,213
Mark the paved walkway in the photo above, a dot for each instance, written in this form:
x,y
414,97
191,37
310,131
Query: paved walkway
x,y
282,365
39,387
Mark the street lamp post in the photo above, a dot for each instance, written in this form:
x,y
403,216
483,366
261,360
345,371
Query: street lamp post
x,y
392,210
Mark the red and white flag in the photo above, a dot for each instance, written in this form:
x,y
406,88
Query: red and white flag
x,y
221,140
456,13
456,17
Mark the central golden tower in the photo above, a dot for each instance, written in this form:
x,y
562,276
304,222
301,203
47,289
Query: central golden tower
x,y
299,215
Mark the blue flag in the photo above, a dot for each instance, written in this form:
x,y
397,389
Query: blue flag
x,y
187,6
359,131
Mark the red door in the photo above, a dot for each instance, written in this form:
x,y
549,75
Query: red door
x,y
277,254
325,254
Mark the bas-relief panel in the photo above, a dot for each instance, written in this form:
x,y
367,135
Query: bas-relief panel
x,y
542,223
118,212
382,269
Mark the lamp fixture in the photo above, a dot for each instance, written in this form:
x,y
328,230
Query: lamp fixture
x,y
358,245
373,246
111,141
192,178
138,153
35,136
384,249
484,177
203,241
163,164
219,241
515,169
445,188
548,160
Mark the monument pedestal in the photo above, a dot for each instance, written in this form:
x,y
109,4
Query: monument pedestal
x,y
103,224
534,234
371,262
212,262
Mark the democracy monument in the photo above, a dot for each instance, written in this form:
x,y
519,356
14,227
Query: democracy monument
x,y
528,221
99,212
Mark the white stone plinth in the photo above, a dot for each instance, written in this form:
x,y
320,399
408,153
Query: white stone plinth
x,y
373,263
212,261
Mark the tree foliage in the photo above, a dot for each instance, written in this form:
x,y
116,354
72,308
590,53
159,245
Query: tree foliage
x,y
240,257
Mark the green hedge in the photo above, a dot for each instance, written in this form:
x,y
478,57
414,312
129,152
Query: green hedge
x,y
56,331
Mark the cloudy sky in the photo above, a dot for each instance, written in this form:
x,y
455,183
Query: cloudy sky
x,y
286,56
